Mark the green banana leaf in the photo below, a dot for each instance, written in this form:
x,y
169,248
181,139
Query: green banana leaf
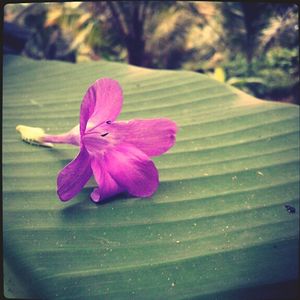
x,y
217,228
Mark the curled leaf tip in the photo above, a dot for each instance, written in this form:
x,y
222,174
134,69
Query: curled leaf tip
x,y
33,135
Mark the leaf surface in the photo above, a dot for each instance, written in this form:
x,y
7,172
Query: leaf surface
x,y
217,228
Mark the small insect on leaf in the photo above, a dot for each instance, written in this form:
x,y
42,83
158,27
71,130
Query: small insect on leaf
x,y
290,209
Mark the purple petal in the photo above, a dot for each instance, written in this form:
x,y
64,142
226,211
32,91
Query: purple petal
x,y
107,185
74,176
133,170
152,136
102,102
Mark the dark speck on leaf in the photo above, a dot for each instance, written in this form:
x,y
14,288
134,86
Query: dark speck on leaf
x,y
290,209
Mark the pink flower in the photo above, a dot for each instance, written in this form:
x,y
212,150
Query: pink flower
x,y
117,153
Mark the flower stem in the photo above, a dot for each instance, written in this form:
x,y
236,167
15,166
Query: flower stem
x,y
37,136
66,138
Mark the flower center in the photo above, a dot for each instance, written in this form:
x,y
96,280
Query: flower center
x,y
95,140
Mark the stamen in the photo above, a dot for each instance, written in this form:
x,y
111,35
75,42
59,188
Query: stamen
x,y
108,122
105,134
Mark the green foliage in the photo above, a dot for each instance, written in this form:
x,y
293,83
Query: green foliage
x,y
217,228
283,58
243,25
277,73
257,44
45,42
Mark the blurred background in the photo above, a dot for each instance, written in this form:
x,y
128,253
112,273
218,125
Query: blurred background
x,y
253,46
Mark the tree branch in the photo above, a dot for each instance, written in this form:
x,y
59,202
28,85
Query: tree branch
x,y
118,16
